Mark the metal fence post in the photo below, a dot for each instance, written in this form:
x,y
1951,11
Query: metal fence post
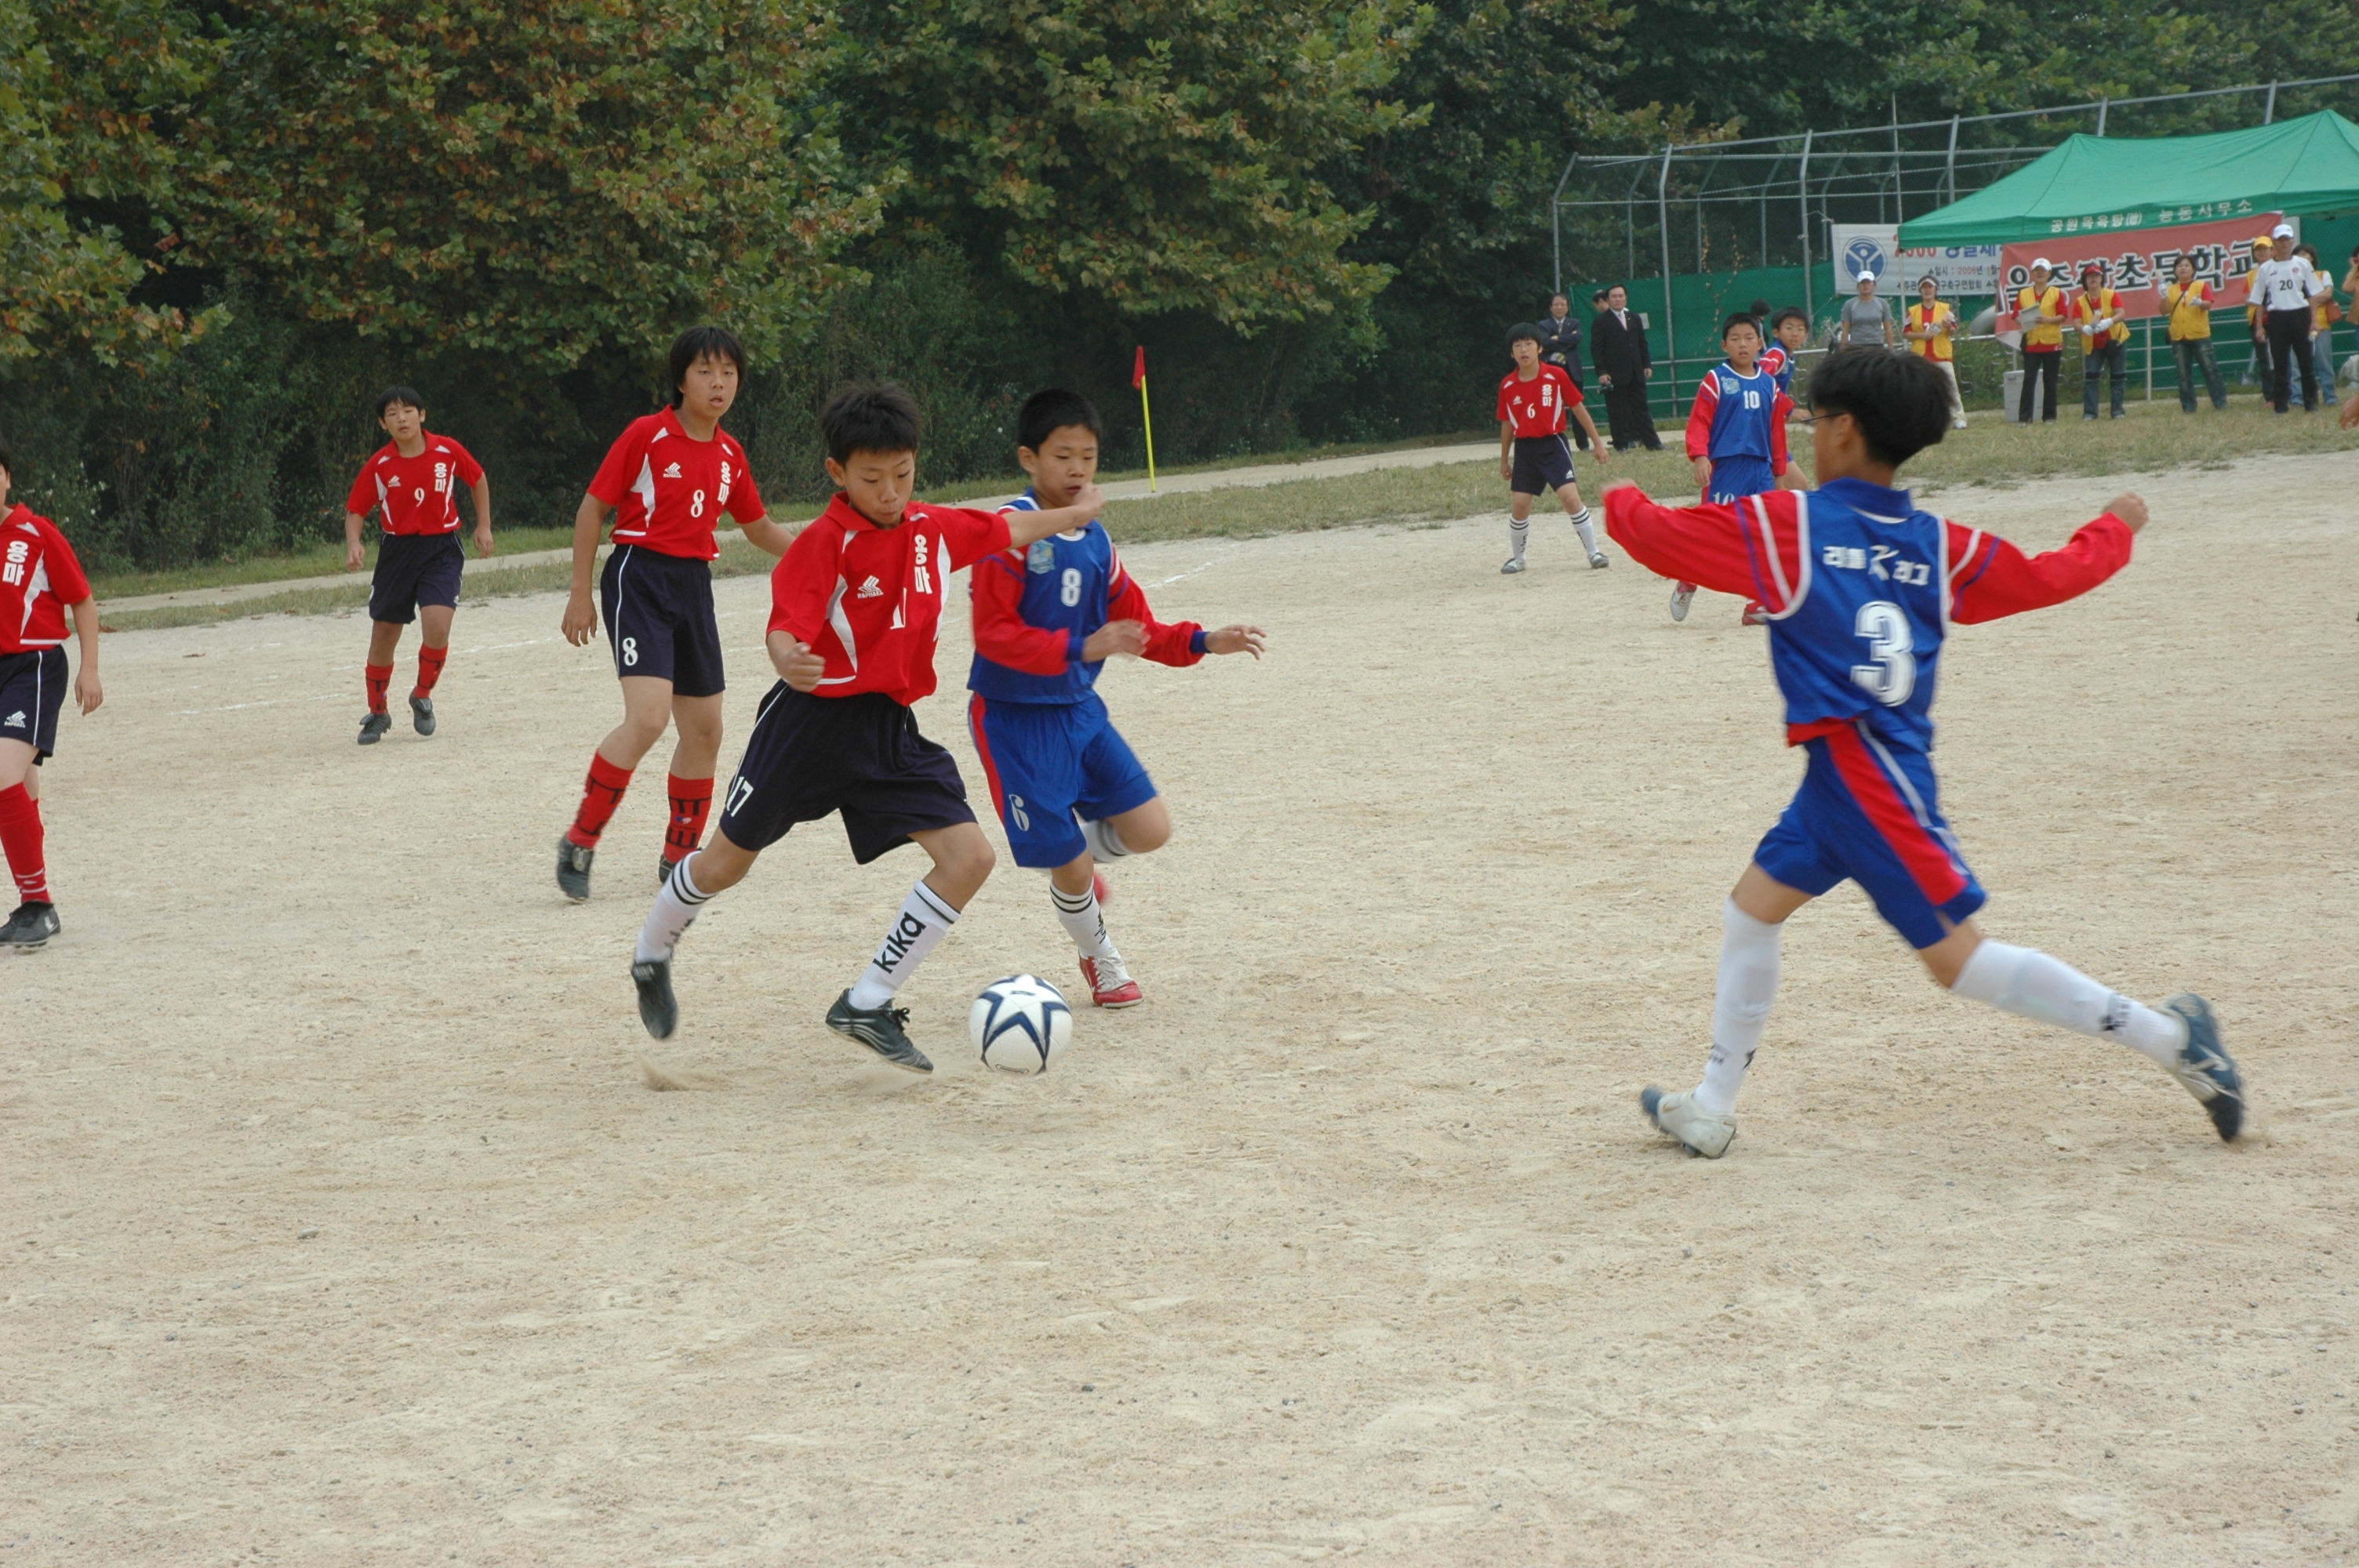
x,y
2102,104
1670,334
1950,169
2269,109
1802,189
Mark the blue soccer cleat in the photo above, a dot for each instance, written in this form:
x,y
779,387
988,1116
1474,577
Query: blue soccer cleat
x,y
2204,1068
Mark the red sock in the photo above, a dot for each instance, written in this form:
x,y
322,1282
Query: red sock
x,y
692,802
379,677
20,838
430,669
601,794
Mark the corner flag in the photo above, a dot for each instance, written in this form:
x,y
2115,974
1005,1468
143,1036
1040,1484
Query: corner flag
x,y
1138,380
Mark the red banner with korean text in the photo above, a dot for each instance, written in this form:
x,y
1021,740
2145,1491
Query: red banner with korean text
x,y
2138,262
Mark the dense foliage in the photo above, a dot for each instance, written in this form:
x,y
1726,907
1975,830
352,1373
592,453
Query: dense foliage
x,y
222,228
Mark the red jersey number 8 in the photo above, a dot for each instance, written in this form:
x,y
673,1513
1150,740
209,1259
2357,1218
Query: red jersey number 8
x,y
696,506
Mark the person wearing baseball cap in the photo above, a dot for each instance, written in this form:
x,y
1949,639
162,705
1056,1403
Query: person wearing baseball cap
x,y
2262,247
2283,289
2039,312
1865,321
2105,338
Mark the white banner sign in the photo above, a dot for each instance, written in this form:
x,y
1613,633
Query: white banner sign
x,y
1959,272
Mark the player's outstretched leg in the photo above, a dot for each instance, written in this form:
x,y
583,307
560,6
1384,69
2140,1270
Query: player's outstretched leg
x,y
1568,497
433,653
1704,1118
1682,595
1519,531
865,1013
2182,1036
1074,889
648,706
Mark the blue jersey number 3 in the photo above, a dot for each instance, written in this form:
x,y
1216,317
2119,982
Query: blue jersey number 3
x,y
1893,674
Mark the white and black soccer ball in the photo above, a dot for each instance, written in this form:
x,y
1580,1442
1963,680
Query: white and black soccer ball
x,y
1020,1024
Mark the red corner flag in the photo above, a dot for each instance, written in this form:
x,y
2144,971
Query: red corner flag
x,y
1146,416
1139,368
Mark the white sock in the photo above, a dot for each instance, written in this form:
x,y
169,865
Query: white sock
x,y
1739,1008
2030,984
1104,843
675,907
1520,533
1078,913
1586,529
916,931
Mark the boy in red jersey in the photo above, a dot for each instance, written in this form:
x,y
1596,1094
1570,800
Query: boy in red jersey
x,y
413,480
39,581
1532,453
856,607
668,480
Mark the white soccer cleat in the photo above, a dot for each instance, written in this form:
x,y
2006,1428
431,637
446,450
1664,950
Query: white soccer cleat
x,y
1681,597
1514,564
1110,983
1705,1132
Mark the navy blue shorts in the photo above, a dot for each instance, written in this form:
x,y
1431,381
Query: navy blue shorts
x,y
1542,463
1049,762
414,570
1733,479
659,619
1872,812
32,689
859,755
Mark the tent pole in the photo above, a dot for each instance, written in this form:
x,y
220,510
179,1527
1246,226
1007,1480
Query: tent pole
x,y
1802,189
2101,105
2149,359
1670,337
2269,109
1949,172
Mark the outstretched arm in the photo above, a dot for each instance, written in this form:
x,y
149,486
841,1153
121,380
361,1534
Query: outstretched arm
x,y
1179,645
1705,544
1990,578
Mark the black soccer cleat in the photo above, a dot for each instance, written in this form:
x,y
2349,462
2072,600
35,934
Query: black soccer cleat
x,y
2204,1068
573,869
879,1029
659,1009
32,924
375,727
421,714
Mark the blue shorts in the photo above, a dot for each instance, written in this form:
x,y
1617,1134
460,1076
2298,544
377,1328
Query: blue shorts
x,y
659,619
32,689
1048,761
1543,464
415,569
1869,810
1733,479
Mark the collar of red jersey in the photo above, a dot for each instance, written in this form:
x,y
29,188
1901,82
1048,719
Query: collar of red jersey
x,y
840,511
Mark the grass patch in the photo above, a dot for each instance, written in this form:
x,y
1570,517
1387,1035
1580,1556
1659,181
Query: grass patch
x,y
322,559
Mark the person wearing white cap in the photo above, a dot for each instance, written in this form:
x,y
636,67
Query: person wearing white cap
x,y
2284,286
2039,313
1865,321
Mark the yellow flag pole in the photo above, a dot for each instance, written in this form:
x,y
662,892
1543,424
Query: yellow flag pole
x,y
1147,417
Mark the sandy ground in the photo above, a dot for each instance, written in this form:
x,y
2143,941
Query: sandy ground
x,y
342,1227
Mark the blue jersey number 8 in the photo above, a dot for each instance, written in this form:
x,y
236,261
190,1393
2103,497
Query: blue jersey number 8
x,y
1890,644
1071,588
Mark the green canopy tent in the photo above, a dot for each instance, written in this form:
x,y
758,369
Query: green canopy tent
x,y
2303,168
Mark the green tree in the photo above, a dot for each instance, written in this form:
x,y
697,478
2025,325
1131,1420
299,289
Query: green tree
x,y
1157,157
534,180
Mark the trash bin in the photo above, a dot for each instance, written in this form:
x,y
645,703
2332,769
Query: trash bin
x,y
2014,396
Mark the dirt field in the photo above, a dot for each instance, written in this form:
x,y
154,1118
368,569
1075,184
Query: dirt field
x,y
344,1228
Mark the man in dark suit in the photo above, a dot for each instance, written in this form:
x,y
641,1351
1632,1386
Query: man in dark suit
x,y
1561,338
1617,346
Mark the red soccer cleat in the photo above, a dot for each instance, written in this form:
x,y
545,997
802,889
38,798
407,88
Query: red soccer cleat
x,y
1110,984
1755,615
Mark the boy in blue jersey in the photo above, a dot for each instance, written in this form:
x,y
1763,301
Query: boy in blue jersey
x,y
1736,433
1068,788
1790,329
1860,588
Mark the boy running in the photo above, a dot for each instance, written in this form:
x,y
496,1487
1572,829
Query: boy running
x,y
1532,453
412,483
1736,435
39,581
1861,589
668,480
1068,789
856,607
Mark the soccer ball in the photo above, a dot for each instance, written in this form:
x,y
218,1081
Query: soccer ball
x,y
1020,1024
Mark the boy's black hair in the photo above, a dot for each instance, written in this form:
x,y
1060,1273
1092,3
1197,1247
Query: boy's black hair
x,y
1598,296
1760,309
1521,331
1049,411
1901,402
694,345
393,395
1791,313
876,417
1741,319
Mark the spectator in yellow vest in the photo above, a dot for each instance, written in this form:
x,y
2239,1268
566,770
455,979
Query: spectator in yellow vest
x,y
2263,247
2187,299
2039,313
2323,313
1931,331
2104,338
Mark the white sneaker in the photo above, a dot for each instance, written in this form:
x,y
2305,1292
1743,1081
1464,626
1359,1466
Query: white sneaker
x,y
1597,561
1705,1132
1514,564
1957,424
1680,599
